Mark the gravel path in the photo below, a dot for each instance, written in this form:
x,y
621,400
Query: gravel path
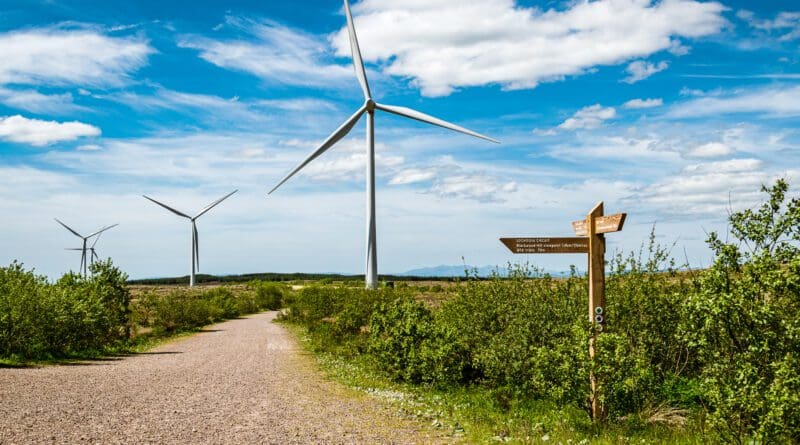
x,y
242,381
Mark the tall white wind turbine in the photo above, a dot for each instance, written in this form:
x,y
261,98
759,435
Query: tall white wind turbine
x,y
195,242
85,249
369,107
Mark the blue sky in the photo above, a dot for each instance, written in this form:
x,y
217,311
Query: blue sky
x,y
673,111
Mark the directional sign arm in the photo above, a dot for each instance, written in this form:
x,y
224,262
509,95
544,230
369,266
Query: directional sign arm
x,y
547,245
602,224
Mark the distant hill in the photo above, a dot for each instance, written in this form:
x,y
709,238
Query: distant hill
x,y
458,271
454,271
443,273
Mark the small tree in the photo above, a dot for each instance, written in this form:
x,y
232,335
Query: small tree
x,y
744,324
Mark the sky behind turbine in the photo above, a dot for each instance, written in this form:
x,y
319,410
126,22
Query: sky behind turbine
x,y
673,111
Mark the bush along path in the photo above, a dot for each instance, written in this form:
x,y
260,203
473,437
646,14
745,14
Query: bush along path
x,y
241,381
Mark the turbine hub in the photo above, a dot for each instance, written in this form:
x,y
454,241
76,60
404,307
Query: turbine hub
x,y
370,105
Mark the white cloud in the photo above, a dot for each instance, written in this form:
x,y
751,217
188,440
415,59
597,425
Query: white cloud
x,y
36,102
479,42
773,100
785,24
39,132
411,176
299,104
640,70
638,104
90,147
350,166
477,187
273,52
69,57
589,118
710,150
707,190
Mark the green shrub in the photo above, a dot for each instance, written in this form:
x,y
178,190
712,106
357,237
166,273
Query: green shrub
x,y
744,324
75,315
268,295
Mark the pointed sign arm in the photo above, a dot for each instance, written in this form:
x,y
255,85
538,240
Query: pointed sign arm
x,y
332,139
213,204
168,207
358,63
101,231
413,114
68,228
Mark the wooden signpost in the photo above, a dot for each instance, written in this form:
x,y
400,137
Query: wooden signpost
x,y
590,239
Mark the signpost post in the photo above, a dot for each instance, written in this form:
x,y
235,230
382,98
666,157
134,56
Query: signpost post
x,y
589,239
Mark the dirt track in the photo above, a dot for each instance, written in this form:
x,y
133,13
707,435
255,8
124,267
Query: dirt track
x,y
242,381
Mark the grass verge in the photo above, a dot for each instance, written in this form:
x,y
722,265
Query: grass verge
x,y
472,414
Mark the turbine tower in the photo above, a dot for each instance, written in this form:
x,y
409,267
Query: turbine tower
x,y
195,242
84,249
369,107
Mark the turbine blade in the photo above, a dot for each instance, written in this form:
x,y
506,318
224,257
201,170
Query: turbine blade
x,y
101,231
413,114
213,204
358,64
99,234
168,207
72,248
196,246
94,256
332,139
68,228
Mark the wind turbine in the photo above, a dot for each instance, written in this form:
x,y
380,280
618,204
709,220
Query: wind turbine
x,y
369,107
195,242
84,249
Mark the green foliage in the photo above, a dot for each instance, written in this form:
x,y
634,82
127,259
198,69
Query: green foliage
x,y
184,309
268,295
74,315
744,324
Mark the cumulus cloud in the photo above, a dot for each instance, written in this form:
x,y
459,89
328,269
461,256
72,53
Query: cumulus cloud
x,y
412,175
773,100
707,189
478,187
350,166
785,24
273,52
39,132
640,70
638,104
36,102
710,150
589,118
477,42
69,57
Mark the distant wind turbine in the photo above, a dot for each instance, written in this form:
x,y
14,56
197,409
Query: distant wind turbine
x,y
195,242
84,249
369,107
